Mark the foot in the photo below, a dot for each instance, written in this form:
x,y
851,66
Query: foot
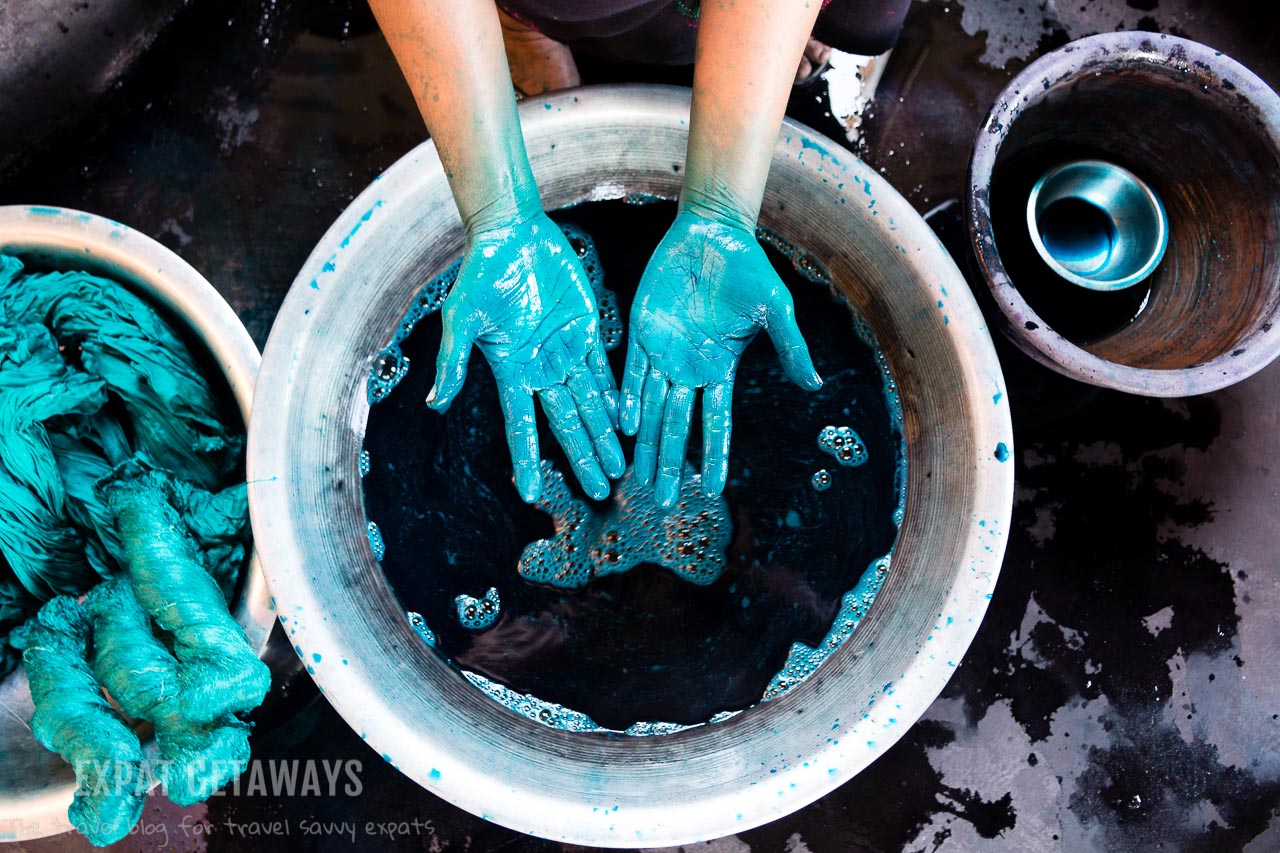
x,y
815,57
538,63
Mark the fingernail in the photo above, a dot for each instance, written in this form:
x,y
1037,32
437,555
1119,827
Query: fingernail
x,y
628,421
614,464
530,490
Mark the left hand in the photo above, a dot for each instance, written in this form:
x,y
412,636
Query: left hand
x,y
707,290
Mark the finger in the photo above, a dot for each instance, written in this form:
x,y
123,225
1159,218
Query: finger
x,y
565,422
595,417
451,364
675,439
793,352
522,438
599,364
633,385
645,457
717,423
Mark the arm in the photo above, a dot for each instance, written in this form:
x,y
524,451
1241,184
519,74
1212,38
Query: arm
x,y
521,294
745,63
709,287
451,54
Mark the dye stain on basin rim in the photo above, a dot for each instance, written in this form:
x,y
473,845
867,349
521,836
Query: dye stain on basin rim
x,y
645,651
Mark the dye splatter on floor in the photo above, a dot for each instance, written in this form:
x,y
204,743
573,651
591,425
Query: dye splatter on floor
x,y
1120,694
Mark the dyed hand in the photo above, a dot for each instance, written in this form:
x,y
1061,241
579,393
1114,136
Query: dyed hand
x,y
522,297
706,292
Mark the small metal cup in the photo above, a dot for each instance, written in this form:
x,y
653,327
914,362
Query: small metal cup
x,y
1097,224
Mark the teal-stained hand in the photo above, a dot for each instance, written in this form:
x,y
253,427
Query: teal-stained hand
x,y
523,298
706,292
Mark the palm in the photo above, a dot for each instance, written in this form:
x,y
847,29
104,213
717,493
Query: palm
x,y
707,291
522,297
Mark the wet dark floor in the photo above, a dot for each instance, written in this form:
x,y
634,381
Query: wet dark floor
x,y
1120,694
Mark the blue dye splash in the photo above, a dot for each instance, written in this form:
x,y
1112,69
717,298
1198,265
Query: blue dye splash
x,y
478,614
1002,452
843,444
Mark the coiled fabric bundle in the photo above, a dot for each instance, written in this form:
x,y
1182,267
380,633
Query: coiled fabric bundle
x,y
143,677
218,674
114,485
75,720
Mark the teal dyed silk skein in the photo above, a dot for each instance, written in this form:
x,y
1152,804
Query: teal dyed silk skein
x,y
113,459
142,677
218,673
74,719
91,376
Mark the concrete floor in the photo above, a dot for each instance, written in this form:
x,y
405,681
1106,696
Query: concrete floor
x,y
1119,694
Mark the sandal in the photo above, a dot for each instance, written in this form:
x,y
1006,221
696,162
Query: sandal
x,y
818,57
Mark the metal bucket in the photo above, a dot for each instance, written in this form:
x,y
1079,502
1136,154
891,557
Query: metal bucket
x,y
1203,132
309,521
36,786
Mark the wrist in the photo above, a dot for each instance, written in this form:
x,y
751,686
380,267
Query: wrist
x,y
717,208
514,204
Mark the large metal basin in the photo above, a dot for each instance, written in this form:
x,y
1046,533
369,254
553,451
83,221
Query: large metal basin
x,y
422,716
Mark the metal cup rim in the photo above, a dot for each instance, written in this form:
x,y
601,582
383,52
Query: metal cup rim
x,y
1154,257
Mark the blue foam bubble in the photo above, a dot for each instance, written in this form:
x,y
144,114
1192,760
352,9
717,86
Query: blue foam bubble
x,y
843,444
478,614
375,542
689,540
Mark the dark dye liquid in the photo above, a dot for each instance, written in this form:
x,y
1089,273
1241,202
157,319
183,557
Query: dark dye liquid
x,y
644,645
1080,315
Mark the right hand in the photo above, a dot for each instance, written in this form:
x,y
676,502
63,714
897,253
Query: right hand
x,y
522,296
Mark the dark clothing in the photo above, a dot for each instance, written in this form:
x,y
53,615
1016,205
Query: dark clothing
x,y
662,32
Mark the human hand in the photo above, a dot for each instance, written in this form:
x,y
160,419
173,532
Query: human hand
x,y
522,297
707,290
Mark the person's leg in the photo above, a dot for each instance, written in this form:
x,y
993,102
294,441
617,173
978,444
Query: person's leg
x,y
538,63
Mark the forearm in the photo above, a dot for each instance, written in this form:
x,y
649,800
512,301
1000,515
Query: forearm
x,y
745,63
451,53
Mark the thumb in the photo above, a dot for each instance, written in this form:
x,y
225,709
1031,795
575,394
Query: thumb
x,y
793,352
451,367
